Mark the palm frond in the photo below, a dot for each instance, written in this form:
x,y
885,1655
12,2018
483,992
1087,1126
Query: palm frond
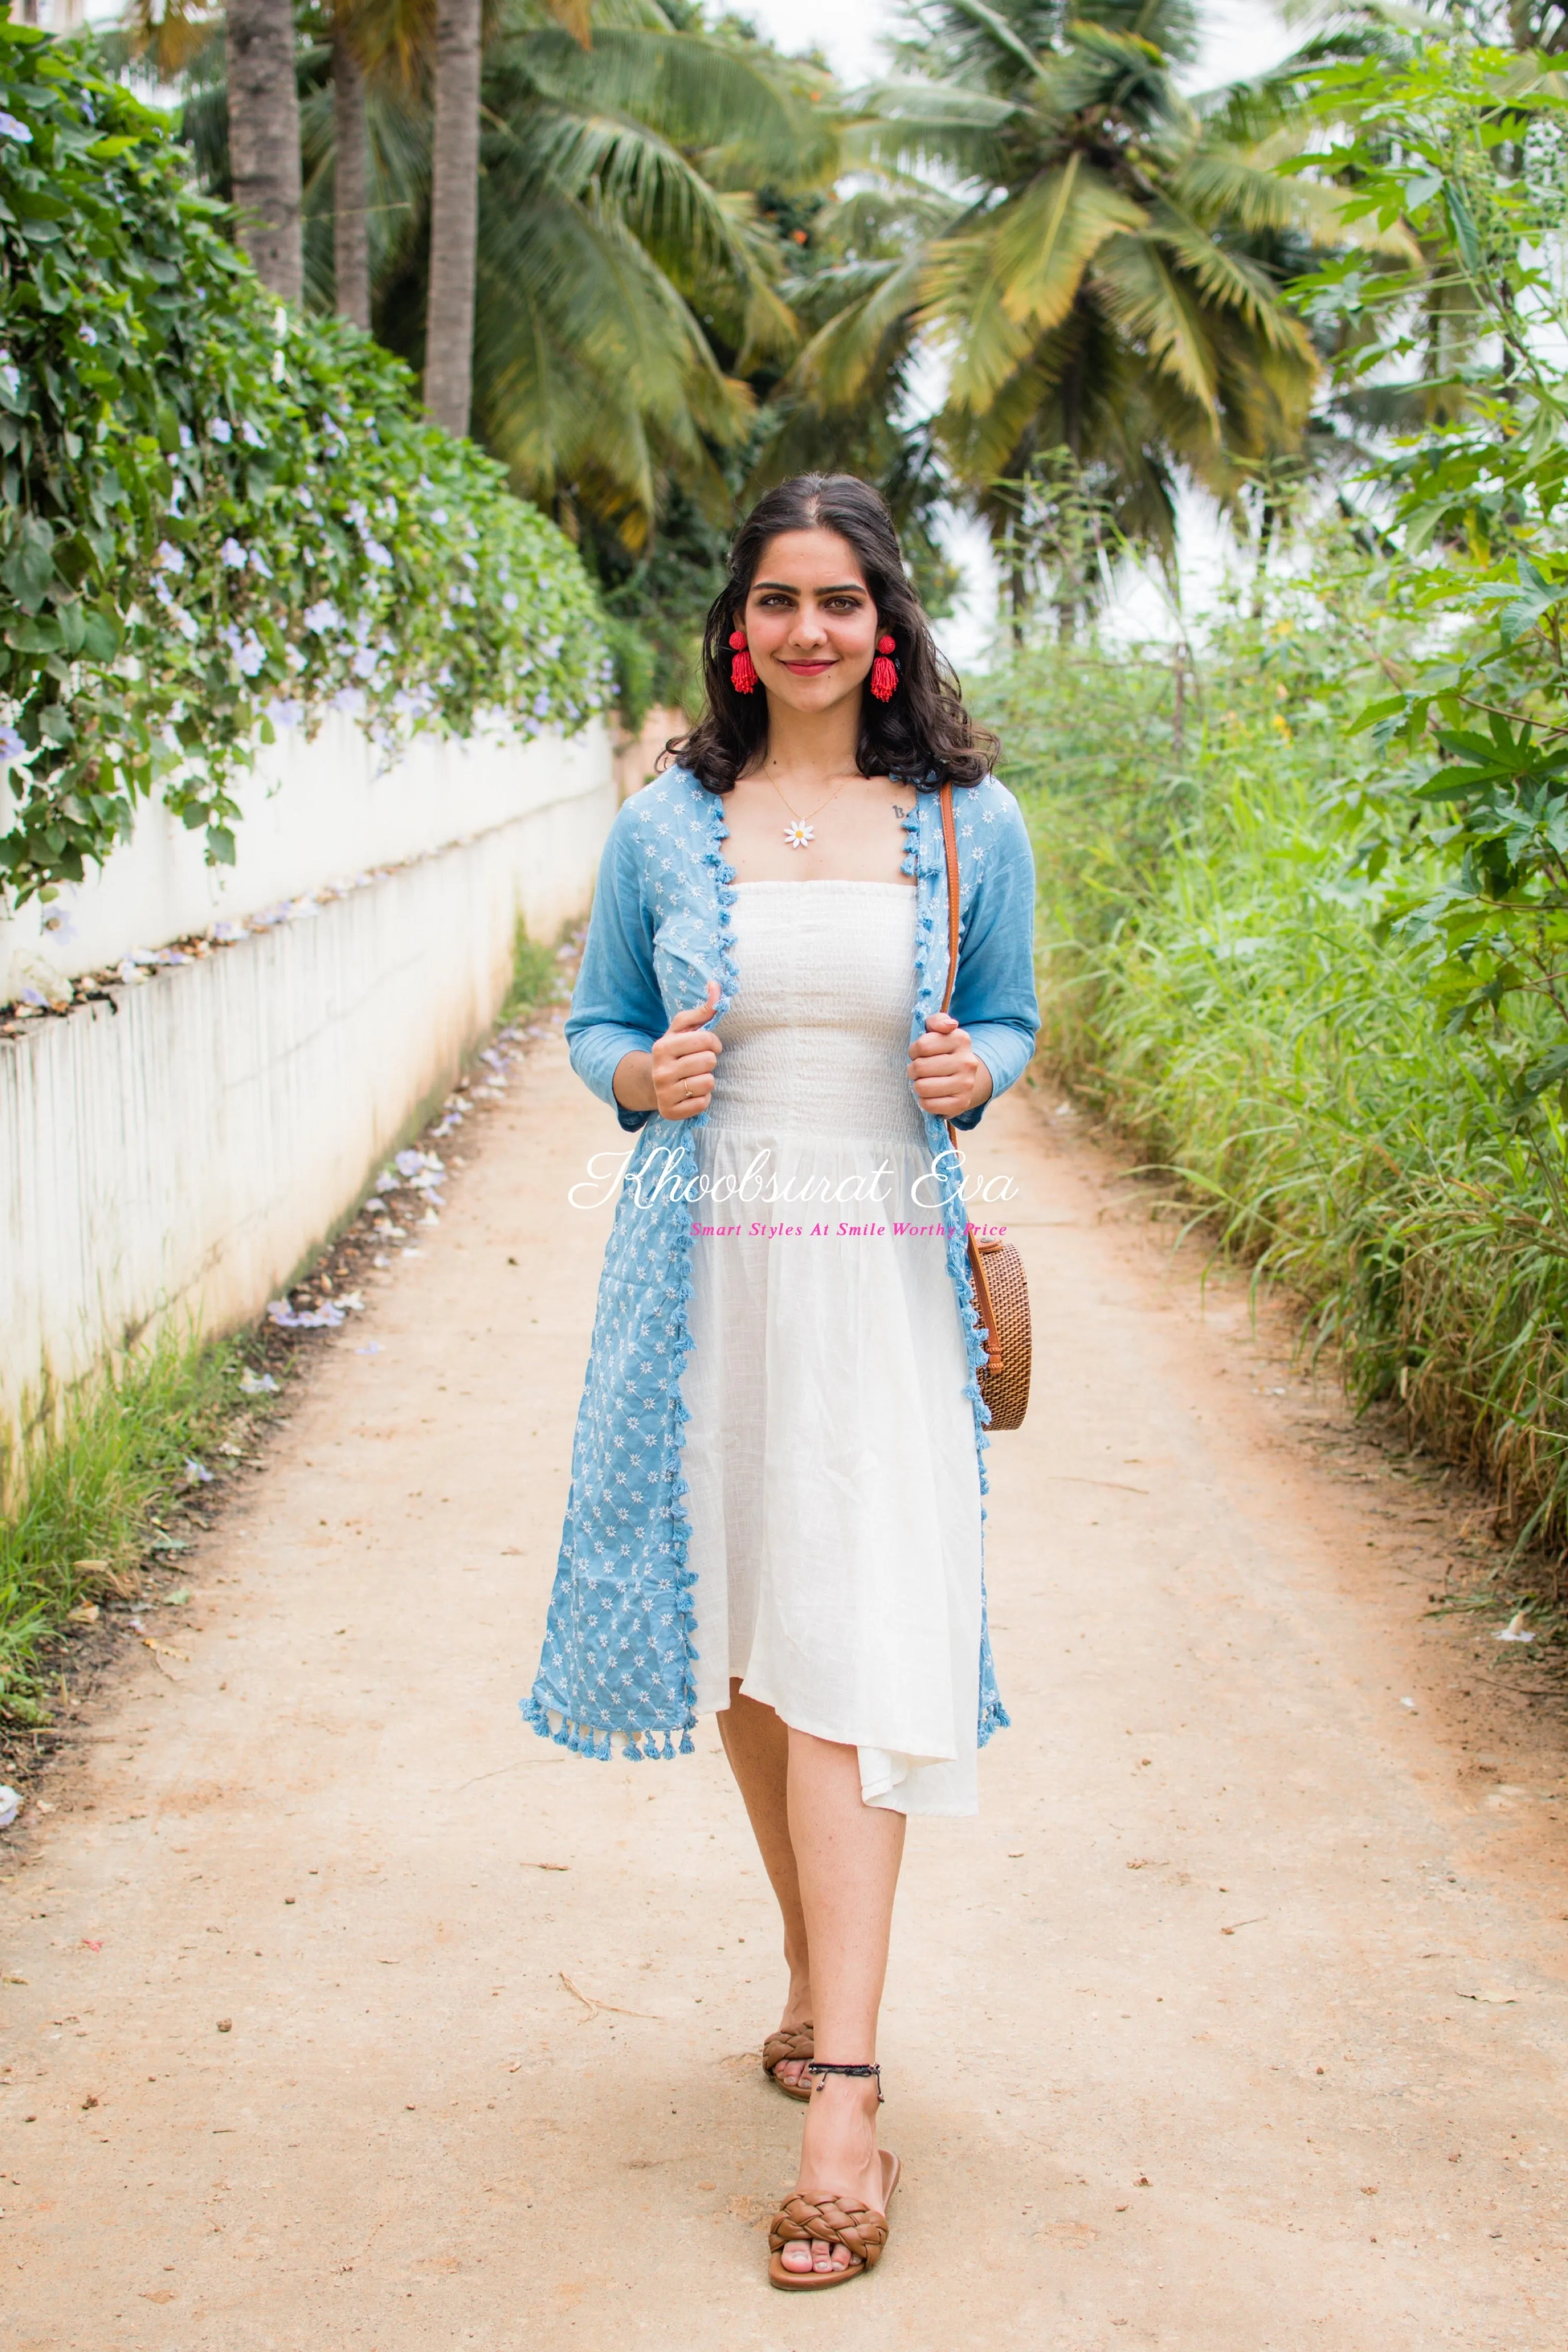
x,y
1105,70
706,96
1231,282
1041,245
846,354
1218,184
963,300
1151,303
996,28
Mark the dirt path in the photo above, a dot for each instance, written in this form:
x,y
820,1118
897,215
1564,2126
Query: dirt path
x,y
471,2018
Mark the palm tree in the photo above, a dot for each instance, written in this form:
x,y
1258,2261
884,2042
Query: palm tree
x,y
1098,286
351,173
264,139
626,277
454,215
855,245
619,251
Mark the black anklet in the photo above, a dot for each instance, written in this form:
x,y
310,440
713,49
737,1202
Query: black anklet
x,y
820,2066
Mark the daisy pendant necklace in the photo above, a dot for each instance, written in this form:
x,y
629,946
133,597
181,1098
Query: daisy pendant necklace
x,y
797,833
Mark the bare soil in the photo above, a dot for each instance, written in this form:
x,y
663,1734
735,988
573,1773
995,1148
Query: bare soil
x,y
477,2021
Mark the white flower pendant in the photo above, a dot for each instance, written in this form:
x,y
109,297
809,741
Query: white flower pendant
x,y
798,835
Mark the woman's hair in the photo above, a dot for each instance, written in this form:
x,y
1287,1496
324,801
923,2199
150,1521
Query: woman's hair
x,y
923,737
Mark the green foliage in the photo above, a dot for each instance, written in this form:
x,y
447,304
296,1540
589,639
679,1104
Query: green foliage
x,y
657,599
538,978
627,282
1217,977
1465,146
1097,264
91,1493
218,516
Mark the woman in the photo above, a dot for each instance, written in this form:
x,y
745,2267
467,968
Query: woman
x,y
775,1508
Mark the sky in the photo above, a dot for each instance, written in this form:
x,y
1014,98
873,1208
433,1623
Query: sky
x,y
1241,37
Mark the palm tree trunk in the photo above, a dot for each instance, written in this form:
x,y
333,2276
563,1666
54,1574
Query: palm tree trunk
x,y
454,217
1265,541
351,173
264,139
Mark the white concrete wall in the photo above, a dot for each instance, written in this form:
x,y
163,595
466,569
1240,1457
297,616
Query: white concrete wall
x,y
179,1155
314,813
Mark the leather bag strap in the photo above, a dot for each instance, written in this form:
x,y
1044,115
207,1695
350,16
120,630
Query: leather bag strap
x,y
977,1267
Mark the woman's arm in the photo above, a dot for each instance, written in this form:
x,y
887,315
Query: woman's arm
x,y
616,1009
994,1001
949,1078
675,1077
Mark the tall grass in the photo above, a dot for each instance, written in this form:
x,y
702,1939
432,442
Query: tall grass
x,y
1214,980
91,1493
537,979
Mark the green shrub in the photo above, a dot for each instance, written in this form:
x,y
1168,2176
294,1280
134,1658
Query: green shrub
x,y
91,1488
1216,978
537,977
220,515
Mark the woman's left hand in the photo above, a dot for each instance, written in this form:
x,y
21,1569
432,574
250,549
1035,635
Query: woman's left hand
x,y
946,1073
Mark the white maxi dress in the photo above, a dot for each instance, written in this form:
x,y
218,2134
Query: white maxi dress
x,y
833,1486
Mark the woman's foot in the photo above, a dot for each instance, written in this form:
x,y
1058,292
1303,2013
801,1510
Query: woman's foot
x,y
838,2159
790,2072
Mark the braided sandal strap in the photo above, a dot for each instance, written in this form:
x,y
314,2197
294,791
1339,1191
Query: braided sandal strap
x,y
833,2221
789,2043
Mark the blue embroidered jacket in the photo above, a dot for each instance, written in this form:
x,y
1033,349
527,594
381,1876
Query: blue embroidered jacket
x,y
618,1643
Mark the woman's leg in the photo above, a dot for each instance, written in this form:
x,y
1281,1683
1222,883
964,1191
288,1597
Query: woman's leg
x,y
846,1856
757,1745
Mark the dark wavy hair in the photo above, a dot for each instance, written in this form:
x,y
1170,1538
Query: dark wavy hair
x,y
923,737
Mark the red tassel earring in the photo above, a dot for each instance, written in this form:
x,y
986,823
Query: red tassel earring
x,y
884,676
742,669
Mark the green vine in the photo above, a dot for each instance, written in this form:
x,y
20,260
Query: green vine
x,y
221,518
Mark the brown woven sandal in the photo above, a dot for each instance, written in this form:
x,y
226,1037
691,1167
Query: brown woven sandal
x,y
790,2043
832,2219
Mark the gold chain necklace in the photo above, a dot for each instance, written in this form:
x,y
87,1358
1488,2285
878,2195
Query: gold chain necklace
x,y
798,833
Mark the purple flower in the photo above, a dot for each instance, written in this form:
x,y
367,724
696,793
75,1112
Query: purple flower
x,y
233,555
320,617
221,429
11,744
249,652
11,129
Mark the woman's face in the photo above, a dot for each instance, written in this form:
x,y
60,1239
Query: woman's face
x,y
810,620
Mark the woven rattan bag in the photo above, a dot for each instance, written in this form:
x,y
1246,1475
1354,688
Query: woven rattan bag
x,y
1001,1292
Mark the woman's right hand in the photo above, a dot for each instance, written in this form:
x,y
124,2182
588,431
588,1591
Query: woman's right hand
x,y
684,1060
